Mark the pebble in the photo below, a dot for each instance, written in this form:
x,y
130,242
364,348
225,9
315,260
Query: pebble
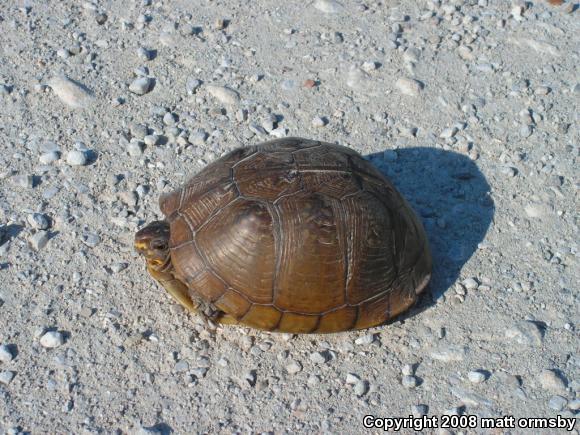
x,y
90,239
49,157
328,6
476,376
526,333
536,210
365,339
76,158
448,133
198,137
170,119
144,54
6,377
293,367
181,366
409,381
419,410
135,148
550,380
526,131
557,403
38,221
361,388
39,240
141,85
26,181
118,267
409,86
75,95
192,85
318,122
152,139
351,378
223,94
470,284
449,353
5,354
469,398
574,405
51,339
317,358
407,370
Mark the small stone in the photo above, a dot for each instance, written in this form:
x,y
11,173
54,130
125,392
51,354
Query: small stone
x,y
369,66
198,137
152,139
557,403
141,85
6,377
526,131
542,90
550,380
181,366
407,370
90,239
223,94
352,379
309,83
5,354
118,267
470,284
39,240
101,18
360,388
76,158
220,24
409,86
135,148
50,157
448,133
476,376
317,358
169,119
51,339
293,367
365,339
38,221
144,54
419,410
318,122
574,405
328,6
449,353
192,85
526,333
72,93
409,381
26,181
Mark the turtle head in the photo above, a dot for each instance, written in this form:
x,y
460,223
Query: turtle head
x,y
152,242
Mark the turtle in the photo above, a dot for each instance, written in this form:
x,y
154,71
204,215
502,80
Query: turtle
x,y
291,235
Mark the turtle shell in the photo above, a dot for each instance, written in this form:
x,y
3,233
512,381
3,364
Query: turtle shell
x,y
299,236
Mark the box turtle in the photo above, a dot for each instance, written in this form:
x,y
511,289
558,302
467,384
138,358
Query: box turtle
x,y
291,235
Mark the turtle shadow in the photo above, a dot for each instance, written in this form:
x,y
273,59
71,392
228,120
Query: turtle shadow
x,y
451,197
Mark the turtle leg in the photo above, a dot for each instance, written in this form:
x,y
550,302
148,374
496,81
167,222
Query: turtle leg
x,y
180,292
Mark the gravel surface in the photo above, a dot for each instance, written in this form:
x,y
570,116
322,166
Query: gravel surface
x,y
471,107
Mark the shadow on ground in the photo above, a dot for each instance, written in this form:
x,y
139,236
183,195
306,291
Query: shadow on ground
x,y
451,196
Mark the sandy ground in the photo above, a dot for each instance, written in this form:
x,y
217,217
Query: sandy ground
x,y
470,107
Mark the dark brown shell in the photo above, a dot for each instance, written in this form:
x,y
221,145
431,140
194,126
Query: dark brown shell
x,y
295,235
